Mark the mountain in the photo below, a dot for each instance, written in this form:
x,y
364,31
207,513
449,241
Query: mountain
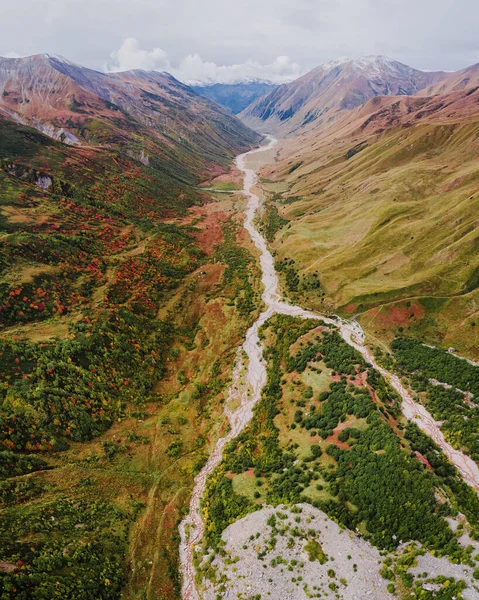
x,y
236,96
381,201
319,96
148,115
454,82
125,291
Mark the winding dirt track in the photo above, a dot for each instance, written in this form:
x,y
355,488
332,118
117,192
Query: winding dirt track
x,y
192,527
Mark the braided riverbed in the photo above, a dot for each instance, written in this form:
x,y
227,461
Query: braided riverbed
x,y
192,527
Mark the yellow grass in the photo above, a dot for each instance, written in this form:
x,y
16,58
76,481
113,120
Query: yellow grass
x,y
396,221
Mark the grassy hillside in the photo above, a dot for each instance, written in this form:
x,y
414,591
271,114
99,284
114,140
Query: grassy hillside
x,y
120,286
381,216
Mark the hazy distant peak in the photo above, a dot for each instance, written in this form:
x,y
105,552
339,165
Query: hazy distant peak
x,y
239,81
236,96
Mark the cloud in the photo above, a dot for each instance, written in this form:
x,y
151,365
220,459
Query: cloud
x,y
130,56
192,69
432,34
12,54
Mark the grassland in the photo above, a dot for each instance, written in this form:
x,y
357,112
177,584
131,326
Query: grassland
x,y
391,230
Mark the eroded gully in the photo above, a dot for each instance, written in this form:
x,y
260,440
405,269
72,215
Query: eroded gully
x,y
192,527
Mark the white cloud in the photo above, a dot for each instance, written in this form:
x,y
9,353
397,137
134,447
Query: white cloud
x,y
12,55
192,69
130,56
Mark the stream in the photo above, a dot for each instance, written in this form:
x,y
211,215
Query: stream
x,y
192,527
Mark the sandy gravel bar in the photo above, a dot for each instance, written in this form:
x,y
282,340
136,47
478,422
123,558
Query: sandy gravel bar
x,y
355,562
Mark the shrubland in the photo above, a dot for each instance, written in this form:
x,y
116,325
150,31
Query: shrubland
x,y
117,331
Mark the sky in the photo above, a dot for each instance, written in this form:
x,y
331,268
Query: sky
x,y
228,41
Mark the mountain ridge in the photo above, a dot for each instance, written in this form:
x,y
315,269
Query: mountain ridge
x,y
321,95
144,113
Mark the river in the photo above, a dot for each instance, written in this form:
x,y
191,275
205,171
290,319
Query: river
x,y
192,527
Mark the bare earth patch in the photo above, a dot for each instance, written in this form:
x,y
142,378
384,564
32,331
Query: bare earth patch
x,y
294,576
295,553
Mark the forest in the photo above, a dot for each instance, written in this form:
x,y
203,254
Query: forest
x,y
352,454
435,363
455,405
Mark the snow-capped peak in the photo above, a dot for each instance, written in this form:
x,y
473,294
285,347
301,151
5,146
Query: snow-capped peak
x,y
60,58
336,63
375,63
371,65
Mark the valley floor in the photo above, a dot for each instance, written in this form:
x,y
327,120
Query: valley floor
x,y
284,468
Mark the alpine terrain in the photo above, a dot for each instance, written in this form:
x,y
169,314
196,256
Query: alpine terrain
x,y
239,349
235,96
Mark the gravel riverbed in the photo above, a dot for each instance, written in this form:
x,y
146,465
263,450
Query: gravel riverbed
x,y
351,569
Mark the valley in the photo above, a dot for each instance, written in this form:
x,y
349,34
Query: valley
x,y
248,393
222,377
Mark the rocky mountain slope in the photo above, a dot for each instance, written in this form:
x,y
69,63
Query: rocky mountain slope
x,y
148,115
237,96
321,95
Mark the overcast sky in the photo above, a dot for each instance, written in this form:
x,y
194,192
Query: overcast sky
x,y
222,40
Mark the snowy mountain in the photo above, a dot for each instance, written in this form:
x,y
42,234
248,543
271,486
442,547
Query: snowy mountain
x,y
333,87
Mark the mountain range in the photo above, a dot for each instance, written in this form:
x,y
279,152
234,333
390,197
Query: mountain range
x,y
127,284
67,101
236,96
325,92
